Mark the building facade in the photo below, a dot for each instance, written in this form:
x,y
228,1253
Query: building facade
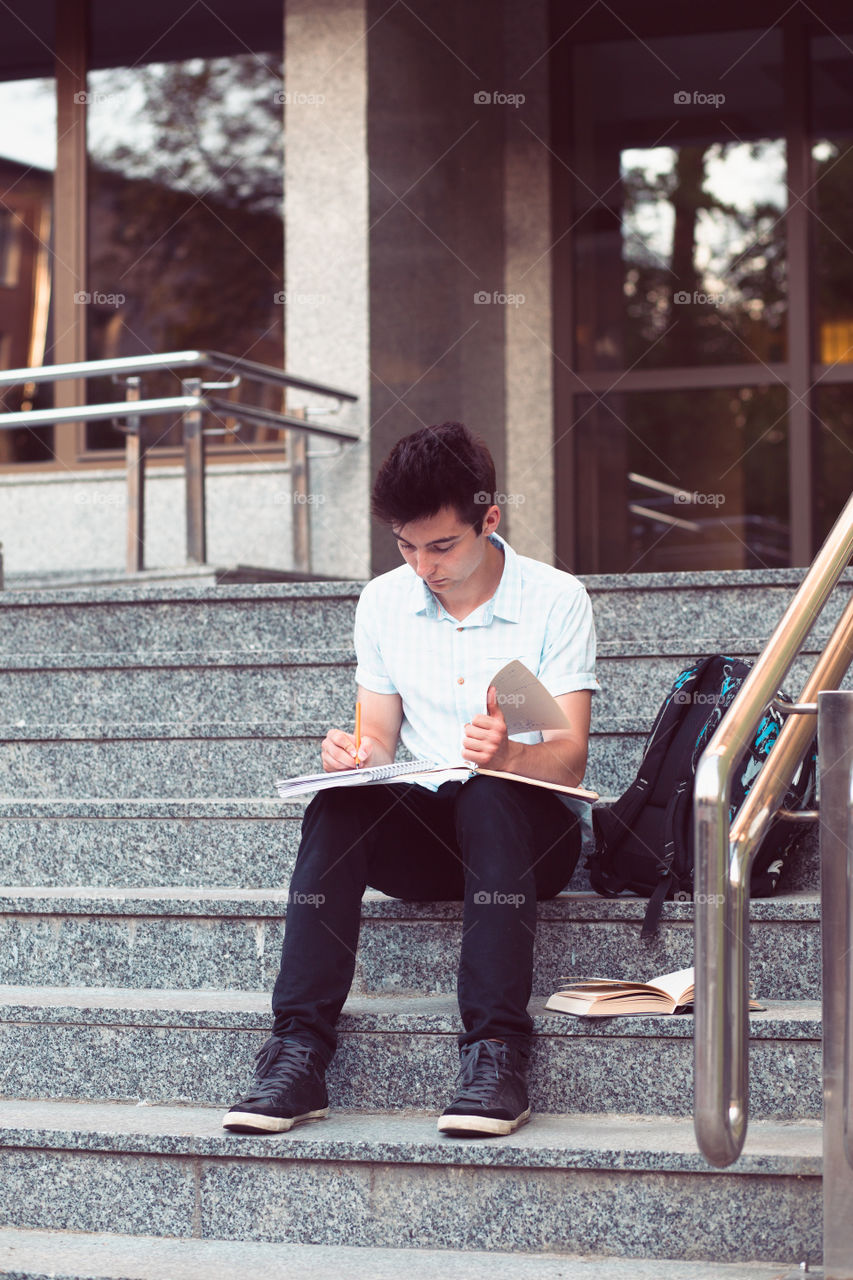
x,y
616,240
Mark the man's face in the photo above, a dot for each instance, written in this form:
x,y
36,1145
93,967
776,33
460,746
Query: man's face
x,y
444,550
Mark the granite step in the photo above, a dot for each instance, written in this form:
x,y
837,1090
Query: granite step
x,y
395,1052
248,843
256,615
157,759
392,1180
223,759
184,685
230,939
709,608
65,1255
308,683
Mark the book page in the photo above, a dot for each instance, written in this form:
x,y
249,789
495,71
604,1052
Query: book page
x,y
525,703
580,793
676,985
287,787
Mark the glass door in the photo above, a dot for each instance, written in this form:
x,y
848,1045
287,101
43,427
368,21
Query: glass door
x,y
684,281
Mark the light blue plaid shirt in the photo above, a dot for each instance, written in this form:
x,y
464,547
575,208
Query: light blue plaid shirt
x,y
407,643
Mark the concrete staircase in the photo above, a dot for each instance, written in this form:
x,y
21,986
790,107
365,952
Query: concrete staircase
x,y
147,867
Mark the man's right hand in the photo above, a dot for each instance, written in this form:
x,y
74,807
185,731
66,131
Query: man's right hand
x,y
338,751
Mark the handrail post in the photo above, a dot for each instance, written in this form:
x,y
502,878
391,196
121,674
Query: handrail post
x,y
135,461
300,515
835,739
194,478
719,931
723,854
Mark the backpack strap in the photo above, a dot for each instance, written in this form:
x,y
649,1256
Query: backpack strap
x,y
614,823
669,877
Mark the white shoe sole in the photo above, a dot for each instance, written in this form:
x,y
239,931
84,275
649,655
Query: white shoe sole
x,y
483,1125
243,1120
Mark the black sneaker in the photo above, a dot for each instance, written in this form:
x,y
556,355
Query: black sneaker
x,y
290,1085
491,1091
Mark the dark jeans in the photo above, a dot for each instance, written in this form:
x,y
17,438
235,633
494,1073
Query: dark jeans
x,y
497,845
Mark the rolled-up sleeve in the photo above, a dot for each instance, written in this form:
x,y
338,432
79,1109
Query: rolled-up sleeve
x,y
371,672
568,652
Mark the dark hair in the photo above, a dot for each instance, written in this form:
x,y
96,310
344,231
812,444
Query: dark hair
x,y
444,466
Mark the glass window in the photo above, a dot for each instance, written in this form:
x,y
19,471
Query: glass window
x,y
679,202
833,455
185,220
833,249
10,249
27,163
683,480
832,152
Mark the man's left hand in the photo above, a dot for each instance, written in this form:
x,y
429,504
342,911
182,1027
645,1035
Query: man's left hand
x,y
485,740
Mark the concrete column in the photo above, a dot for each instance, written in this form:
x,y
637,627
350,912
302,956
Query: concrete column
x,y
418,236
528,274
326,257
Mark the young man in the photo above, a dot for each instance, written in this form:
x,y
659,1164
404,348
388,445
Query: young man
x,y
429,636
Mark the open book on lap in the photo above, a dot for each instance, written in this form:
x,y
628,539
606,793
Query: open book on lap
x,y
411,771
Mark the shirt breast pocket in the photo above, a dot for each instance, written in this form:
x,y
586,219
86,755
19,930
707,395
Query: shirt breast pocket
x,y
493,664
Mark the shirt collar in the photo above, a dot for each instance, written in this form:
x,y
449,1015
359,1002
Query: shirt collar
x,y
505,603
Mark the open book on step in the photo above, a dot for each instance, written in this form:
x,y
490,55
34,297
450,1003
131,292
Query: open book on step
x,y
604,998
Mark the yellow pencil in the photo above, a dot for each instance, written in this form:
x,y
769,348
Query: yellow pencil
x,y
357,733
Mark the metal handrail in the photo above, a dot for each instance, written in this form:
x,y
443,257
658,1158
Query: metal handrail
x,y
172,360
191,405
165,404
724,854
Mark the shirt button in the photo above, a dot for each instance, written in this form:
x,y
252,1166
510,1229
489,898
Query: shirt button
x,y
460,680
460,628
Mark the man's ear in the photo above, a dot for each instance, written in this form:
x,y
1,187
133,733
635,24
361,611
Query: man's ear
x,y
491,520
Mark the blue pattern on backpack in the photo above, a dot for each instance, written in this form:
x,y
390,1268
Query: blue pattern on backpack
x,y
644,841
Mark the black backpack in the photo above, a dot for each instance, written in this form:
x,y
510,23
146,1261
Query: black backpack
x,y
644,841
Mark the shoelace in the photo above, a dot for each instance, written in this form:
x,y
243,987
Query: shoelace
x,y
279,1063
481,1067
